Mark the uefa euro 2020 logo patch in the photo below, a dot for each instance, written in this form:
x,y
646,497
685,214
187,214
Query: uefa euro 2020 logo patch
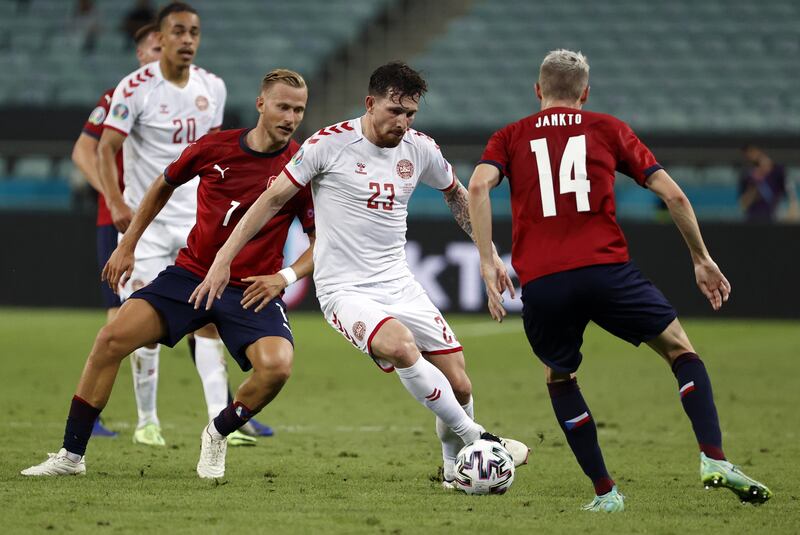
x,y
120,111
298,157
97,116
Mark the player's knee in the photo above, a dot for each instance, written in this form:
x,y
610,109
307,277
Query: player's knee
x,y
403,350
275,368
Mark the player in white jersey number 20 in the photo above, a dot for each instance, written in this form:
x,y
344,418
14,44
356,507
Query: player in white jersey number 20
x,y
362,172
158,111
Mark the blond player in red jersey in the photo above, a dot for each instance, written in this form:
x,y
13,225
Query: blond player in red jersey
x,y
235,167
573,263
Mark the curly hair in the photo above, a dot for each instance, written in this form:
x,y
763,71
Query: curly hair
x,y
399,79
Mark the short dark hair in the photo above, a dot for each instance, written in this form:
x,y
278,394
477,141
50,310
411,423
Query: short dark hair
x,y
174,7
398,77
142,33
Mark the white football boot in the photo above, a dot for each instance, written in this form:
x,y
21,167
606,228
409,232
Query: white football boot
x,y
57,464
518,451
212,456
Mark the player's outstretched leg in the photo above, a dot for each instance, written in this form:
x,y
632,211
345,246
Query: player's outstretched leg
x,y
576,422
697,398
136,324
210,363
271,358
394,343
453,367
253,428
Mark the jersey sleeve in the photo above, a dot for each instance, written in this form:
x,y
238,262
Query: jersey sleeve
x,y
634,158
308,162
94,124
187,165
124,109
305,210
496,152
436,170
222,95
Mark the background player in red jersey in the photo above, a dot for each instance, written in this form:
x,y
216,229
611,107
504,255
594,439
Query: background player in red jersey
x,y
84,155
235,167
573,263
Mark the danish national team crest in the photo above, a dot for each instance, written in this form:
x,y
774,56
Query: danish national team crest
x,y
201,102
359,330
405,169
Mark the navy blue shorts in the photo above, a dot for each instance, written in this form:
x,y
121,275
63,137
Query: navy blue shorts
x,y
106,243
617,297
169,294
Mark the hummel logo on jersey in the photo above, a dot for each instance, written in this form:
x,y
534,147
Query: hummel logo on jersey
x,y
221,171
361,166
163,108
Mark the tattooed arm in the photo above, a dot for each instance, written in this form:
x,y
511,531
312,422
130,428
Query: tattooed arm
x,y
457,199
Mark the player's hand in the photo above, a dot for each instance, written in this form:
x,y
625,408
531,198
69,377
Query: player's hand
x,y
712,283
121,215
212,286
493,278
262,290
118,269
503,278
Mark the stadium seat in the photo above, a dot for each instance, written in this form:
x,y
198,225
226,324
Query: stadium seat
x,y
33,167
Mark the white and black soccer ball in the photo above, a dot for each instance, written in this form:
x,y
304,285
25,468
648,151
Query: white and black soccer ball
x,y
484,467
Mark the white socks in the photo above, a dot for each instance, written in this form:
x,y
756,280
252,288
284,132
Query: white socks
x,y
144,363
209,357
430,387
452,443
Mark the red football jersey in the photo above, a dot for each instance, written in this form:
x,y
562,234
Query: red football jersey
x,y
560,165
94,127
232,176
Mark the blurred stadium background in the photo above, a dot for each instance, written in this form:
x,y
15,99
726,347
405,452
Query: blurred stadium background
x,y
696,80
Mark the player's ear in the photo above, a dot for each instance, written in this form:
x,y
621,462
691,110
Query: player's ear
x,y
260,103
538,90
585,94
369,103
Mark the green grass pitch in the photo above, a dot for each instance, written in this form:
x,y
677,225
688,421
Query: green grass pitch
x,y
353,453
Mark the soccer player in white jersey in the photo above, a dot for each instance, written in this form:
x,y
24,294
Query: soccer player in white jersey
x,y
362,173
159,110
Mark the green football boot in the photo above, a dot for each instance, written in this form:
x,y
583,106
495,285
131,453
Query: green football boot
x,y
149,435
237,438
722,474
610,502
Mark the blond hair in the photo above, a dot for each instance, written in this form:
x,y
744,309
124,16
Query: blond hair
x,y
564,75
282,76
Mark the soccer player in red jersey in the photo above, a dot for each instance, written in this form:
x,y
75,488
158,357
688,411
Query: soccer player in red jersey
x,y
235,167
84,155
573,264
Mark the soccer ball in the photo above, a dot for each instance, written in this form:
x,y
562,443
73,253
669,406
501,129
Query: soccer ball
x,y
484,467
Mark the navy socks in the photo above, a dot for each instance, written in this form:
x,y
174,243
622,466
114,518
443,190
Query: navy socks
x,y
576,421
232,418
79,425
697,398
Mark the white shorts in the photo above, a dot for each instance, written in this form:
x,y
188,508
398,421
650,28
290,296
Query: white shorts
x,y
157,249
358,312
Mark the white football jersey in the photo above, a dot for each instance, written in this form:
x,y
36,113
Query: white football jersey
x,y
160,120
361,194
